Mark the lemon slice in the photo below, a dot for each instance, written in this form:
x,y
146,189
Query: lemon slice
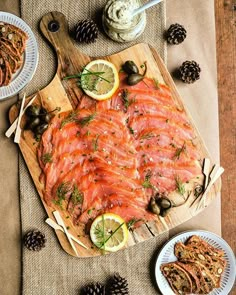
x,y
109,232
100,79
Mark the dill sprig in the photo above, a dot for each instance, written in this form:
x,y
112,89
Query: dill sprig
x,y
179,186
88,80
72,117
105,240
179,151
147,182
125,98
132,222
86,120
79,75
47,158
97,74
95,143
77,196
131,130
147,136
61,192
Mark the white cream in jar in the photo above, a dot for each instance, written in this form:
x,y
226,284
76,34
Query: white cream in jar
x,y
118,22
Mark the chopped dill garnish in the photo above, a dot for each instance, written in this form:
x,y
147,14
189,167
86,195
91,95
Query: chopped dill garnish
x,y
95,143
72,117
131,130
147,182
86,120
147,136
77,196
61,192
157,84
47,158
125,98
179,151
179,186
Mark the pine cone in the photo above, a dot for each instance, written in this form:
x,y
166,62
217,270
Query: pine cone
x,y
117,286
86,31
176,34
34,240
93,289
189,72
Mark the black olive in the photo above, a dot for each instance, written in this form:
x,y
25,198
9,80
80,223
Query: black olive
x,y
40,128
32,123
134,79
130,67
33,111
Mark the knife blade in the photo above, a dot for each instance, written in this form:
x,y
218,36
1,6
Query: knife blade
x,y
62,224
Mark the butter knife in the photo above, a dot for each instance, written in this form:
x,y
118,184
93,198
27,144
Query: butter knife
x,y
13,126
62,224
54,225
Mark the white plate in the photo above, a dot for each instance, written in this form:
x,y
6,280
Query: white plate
x,y
167,255
30,60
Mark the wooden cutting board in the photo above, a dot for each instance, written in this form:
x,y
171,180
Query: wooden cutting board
x,y
66,94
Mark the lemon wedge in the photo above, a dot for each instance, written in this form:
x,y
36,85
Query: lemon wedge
x,y
100,79
109,232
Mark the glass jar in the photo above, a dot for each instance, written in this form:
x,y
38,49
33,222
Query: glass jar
x,y
118,22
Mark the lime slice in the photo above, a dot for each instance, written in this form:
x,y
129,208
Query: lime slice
x,y
100,79
109,232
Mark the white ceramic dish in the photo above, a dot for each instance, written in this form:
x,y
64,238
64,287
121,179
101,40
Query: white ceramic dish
x,y
167,255
30,60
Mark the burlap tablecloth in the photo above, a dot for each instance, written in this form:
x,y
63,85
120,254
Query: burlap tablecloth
x,y
201,99
65,274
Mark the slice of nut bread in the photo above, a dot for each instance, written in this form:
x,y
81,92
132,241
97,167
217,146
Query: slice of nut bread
x,y
193,276
12,61
196,242
177,277
206,281
215,265
14,34
6,71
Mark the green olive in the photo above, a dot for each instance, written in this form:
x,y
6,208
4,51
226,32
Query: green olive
x,y
134,79
33,111
130,67
40,128
32,123
154,207
164,203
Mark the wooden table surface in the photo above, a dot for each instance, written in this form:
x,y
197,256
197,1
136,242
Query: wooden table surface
x,y
225,14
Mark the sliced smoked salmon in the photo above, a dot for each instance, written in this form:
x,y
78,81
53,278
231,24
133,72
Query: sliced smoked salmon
x,y
113,155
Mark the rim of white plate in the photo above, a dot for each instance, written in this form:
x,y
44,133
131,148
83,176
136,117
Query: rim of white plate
x,y
30,59
166,255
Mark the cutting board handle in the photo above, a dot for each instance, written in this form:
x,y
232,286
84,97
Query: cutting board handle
x,y
54,27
